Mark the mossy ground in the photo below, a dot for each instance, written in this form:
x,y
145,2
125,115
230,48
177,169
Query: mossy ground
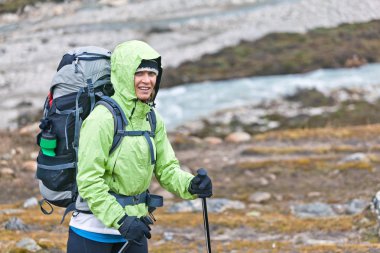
x,y
294,163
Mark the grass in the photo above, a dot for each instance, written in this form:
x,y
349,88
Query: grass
x,y
319,150
305,163
365,132
18,5
285,53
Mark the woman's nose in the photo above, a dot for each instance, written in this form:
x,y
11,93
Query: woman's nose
x,y
146,78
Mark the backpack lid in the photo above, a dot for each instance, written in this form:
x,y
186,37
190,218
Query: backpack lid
x,y
88,63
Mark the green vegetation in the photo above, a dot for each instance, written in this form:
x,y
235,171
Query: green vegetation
x,y
348,45
19,5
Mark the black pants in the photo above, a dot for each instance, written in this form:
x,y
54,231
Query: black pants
x,y
79,244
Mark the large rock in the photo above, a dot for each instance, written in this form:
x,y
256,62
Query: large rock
x,y
7,173
238,137
28,244
352,207
356,157
356,206
260,197
213,140
15,223
32,129
30,166
31,202
316,209
213,206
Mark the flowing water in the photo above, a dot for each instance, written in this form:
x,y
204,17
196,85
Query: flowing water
x,y
181,104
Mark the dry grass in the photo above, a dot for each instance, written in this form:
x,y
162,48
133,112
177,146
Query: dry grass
x,y
304,163
269,222
367,132
318,150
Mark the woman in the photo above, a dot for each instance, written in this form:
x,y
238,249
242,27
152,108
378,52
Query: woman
x,y
135,74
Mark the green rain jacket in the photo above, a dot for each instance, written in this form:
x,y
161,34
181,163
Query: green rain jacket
x,y
128,170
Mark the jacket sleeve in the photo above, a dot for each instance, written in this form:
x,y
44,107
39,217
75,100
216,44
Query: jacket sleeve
x,y
167,170
95,140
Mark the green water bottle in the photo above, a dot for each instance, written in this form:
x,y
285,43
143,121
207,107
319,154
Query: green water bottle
x,y
48,143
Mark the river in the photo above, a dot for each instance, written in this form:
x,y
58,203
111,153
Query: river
x,y
181,104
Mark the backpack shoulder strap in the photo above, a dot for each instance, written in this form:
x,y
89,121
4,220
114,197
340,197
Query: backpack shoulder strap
x,y
152,121
120,121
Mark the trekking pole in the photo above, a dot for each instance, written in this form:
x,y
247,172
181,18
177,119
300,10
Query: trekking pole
x,y
203,173
125,246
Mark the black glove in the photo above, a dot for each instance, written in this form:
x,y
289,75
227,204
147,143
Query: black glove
x,y
133,229
201,184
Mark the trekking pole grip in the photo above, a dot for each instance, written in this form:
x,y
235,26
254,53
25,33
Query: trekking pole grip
x,y
202,172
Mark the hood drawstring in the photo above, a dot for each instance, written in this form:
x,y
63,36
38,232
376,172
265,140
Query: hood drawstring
x,y
133,109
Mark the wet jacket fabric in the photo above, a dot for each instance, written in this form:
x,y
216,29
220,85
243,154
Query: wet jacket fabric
x,y
128,170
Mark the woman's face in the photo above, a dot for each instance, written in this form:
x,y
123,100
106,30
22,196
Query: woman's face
x,y
144,84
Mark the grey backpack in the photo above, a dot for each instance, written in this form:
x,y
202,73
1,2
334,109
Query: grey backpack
x,y
82,80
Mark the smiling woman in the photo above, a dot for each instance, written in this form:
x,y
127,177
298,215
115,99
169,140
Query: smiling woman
x,y
145,80
115,187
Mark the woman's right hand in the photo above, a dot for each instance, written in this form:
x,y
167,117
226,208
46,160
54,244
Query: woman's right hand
x,y
133,229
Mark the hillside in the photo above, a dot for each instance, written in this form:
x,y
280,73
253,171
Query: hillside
x,y
348,45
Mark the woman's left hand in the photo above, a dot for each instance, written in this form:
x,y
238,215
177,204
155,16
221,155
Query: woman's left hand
x,y
201,184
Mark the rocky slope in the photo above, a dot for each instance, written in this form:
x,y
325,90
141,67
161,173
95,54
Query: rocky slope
x,y
284,191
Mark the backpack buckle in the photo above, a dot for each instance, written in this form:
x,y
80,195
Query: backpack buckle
x,y
135,199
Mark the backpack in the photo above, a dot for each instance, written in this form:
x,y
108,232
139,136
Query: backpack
x,y
82,82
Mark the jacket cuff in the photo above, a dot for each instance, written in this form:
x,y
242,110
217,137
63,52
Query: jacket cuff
x,y
120,219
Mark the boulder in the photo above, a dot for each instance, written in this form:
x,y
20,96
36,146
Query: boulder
x,y
213,140
30,166
32,129
31,202
213,206
356,157
314,194
28,244
46,243
260,197
311,210
356,206
7,173
15,223
238,137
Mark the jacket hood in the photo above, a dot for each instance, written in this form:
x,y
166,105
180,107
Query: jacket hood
x,y
125,59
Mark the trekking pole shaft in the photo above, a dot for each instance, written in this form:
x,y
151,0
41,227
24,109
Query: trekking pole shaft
x,y
125,246
206,227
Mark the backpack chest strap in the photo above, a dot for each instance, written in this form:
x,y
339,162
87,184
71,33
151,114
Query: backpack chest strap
x,y
147,135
